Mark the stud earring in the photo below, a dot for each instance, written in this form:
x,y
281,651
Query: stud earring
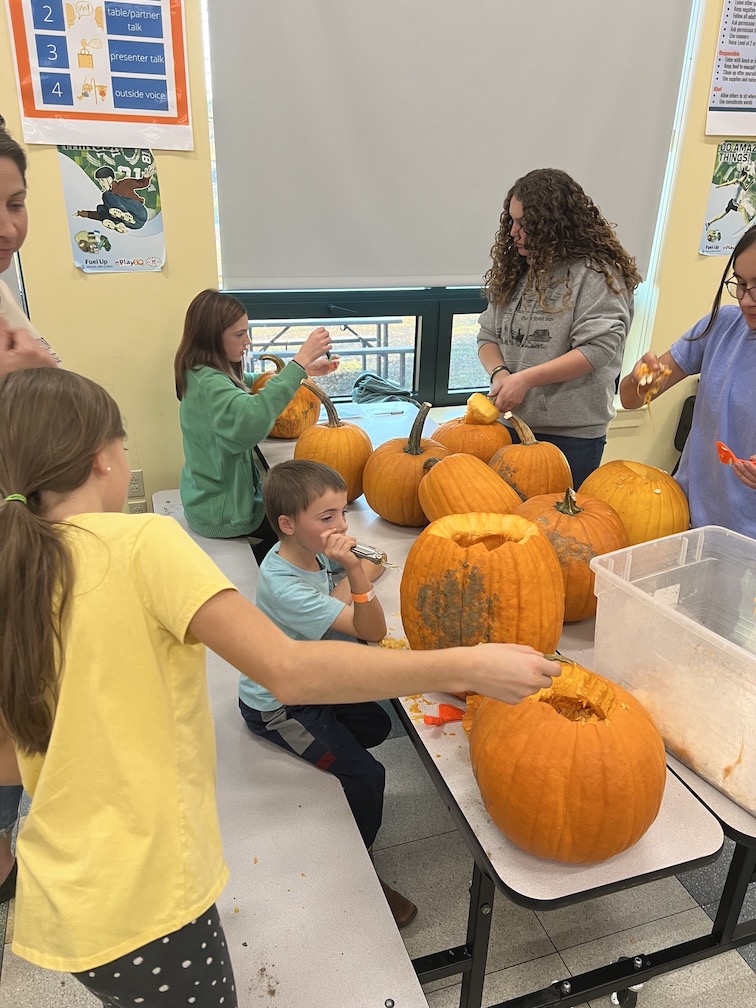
x,y
108,468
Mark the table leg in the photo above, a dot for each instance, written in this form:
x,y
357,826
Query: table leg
x,y
478,933
740,875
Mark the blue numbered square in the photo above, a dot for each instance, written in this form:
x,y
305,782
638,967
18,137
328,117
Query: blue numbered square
x,y
52,51
48,16
56,89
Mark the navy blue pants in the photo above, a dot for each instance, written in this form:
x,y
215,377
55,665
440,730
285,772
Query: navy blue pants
x,y
334,738
583,454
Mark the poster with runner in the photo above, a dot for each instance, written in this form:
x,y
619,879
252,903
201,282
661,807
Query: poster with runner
x,y
731,208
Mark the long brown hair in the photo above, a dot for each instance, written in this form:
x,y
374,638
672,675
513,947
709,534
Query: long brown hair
x,y
52,424
209,314
562,225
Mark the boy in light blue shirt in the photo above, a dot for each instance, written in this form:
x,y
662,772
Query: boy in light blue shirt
x,y
305,502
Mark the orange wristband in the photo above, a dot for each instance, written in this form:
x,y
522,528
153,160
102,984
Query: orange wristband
x,y
367,597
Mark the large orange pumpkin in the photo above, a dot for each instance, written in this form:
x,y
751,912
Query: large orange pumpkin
x,y
575,773
476,577
393,472
532,467
303,410
650,503
579,528
343,446
478,432
462,483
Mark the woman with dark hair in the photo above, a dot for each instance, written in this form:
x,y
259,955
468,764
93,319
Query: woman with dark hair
x,y
721,348
221,422
560,302
20,345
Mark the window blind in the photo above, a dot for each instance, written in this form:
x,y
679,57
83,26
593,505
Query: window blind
x,y
364,144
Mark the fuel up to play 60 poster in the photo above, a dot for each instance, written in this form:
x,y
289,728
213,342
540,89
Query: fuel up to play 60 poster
x,y
731,208
113,205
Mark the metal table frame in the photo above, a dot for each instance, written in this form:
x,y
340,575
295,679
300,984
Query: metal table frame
x,y
469,959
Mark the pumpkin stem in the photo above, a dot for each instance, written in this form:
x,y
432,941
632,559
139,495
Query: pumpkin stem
x,y
276,360
333,416
569,506
416,433
524,432
429,463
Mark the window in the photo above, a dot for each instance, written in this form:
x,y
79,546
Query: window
x,y
404,335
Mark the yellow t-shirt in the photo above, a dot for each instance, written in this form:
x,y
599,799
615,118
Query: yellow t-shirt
x,y
122,843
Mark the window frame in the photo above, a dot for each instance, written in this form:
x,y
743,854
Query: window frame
x,y
434,308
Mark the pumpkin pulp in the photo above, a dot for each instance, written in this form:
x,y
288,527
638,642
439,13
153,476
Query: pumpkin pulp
x,y
578,697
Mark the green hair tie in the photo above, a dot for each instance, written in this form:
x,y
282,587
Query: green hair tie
x,y
17,497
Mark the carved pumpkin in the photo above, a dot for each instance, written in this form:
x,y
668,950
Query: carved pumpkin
x,y
579,528
575,773
462,483
343,446
478,432
393,472
303,410
532,467
477,577
650,503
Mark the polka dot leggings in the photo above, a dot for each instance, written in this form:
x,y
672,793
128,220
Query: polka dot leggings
x,y
189,967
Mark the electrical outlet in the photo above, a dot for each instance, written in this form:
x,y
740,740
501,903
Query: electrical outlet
x,y
136,483
136,506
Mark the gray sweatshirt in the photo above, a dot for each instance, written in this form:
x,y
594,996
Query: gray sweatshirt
x,y
595,321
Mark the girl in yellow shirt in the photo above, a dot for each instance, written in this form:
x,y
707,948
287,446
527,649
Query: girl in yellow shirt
x,y
104,701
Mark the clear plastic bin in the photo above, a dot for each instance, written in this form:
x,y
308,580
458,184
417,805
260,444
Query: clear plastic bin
x,y
676,625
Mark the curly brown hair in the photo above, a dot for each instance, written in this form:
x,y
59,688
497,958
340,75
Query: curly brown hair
x,y
562,225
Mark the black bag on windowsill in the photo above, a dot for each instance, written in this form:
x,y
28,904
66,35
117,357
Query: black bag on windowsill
x,y
370,387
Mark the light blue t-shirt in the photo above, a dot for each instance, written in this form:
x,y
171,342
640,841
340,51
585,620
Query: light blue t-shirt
x,y
725,411
299,602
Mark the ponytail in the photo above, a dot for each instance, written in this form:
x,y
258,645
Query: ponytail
x,y
52,424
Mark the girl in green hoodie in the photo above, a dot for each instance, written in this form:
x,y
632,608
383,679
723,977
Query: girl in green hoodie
x,y
222,422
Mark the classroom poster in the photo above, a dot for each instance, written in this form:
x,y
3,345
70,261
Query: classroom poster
x,y
114,214
101,72
732,95
731,208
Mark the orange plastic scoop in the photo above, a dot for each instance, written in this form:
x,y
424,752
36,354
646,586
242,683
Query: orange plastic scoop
x,y
725,455
446,713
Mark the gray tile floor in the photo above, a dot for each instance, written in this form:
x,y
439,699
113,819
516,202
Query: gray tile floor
x,y
420,850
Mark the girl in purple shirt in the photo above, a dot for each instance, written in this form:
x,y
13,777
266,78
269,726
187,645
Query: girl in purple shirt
x,y
721,348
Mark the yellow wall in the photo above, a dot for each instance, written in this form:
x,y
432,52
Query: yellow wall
x,y
687,280
122,330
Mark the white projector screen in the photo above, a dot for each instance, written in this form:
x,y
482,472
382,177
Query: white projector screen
x,y
371,144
